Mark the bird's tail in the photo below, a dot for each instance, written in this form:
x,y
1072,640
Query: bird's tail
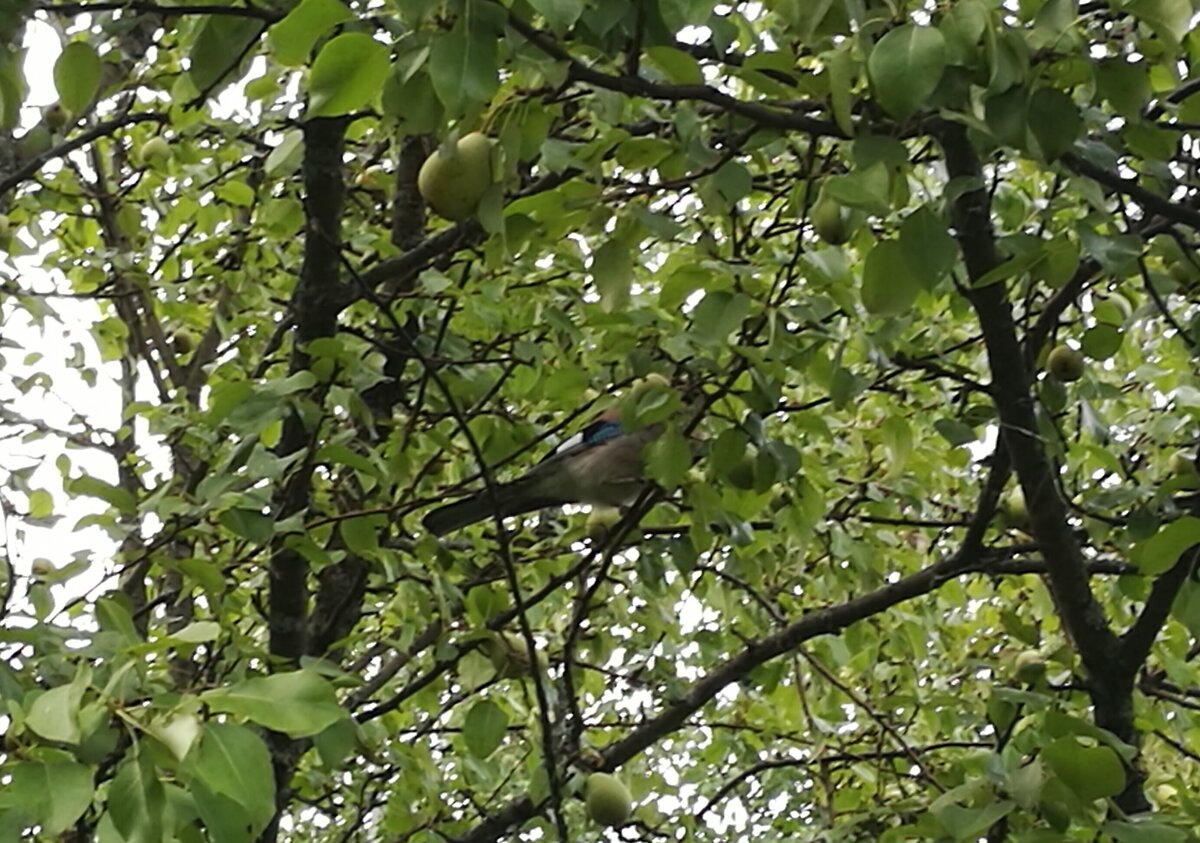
x,y
514,498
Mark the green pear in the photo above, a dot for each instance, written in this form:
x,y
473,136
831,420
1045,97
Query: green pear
x,y
155,153
829,221
608,800
1065,363
453,184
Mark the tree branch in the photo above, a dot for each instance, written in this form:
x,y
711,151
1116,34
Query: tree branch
x,y
763,115
1011,382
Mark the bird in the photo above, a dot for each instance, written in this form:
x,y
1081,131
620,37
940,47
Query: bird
x,y
601,465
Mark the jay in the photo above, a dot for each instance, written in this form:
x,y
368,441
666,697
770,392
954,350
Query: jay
x,y
601,465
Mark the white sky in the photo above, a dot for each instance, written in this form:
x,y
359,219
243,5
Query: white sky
x,y
67,393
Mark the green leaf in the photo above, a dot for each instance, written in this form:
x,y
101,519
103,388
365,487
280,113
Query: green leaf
x,y
1101,342
1054,120
94,487
360,534
54,714
679,67
668,459
1186,608
1011,268
840,67
612,273
348,73
77,76
463,66
1160,552
868,189
1092,772
1170,19
718,314
412,102
178,734
955,432
1125,84
52,794
233,763
898,440
905,67
41,504
299,703
1007,115
1116,253
197,632
929,250
887,288
248,524
559,14
220,46
136,800
1144,830
1060,263
484,728
293,37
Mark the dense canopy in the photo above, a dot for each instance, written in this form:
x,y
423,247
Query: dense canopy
x,y
917,561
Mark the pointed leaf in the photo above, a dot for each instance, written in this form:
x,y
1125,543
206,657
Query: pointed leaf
x,y
348,73
77,76
299,703
905,67
484,728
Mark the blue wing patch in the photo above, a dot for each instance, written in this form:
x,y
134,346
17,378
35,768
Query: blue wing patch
x,y
603,428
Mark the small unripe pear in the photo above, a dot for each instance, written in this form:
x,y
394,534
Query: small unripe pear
x,y
652,381
33,143
600,522
155,153
1013,509
374,178
608,800
55,117
1065,363
1184,467
1030,667
828,221
42,568
508,654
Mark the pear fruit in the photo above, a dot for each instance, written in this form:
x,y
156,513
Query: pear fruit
x,y
600,522
1183,467
1013,510
608,800
374,178
1029,667
36,141
154,153
508,654
453,184
55,117
1065,363
828,221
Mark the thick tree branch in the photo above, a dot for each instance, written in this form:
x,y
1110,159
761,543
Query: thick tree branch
x,y
762,115
1139,638
243,11
1011,390
316,317
1162,205
29,168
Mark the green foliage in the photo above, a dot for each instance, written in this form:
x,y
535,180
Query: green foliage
x,y
234,374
